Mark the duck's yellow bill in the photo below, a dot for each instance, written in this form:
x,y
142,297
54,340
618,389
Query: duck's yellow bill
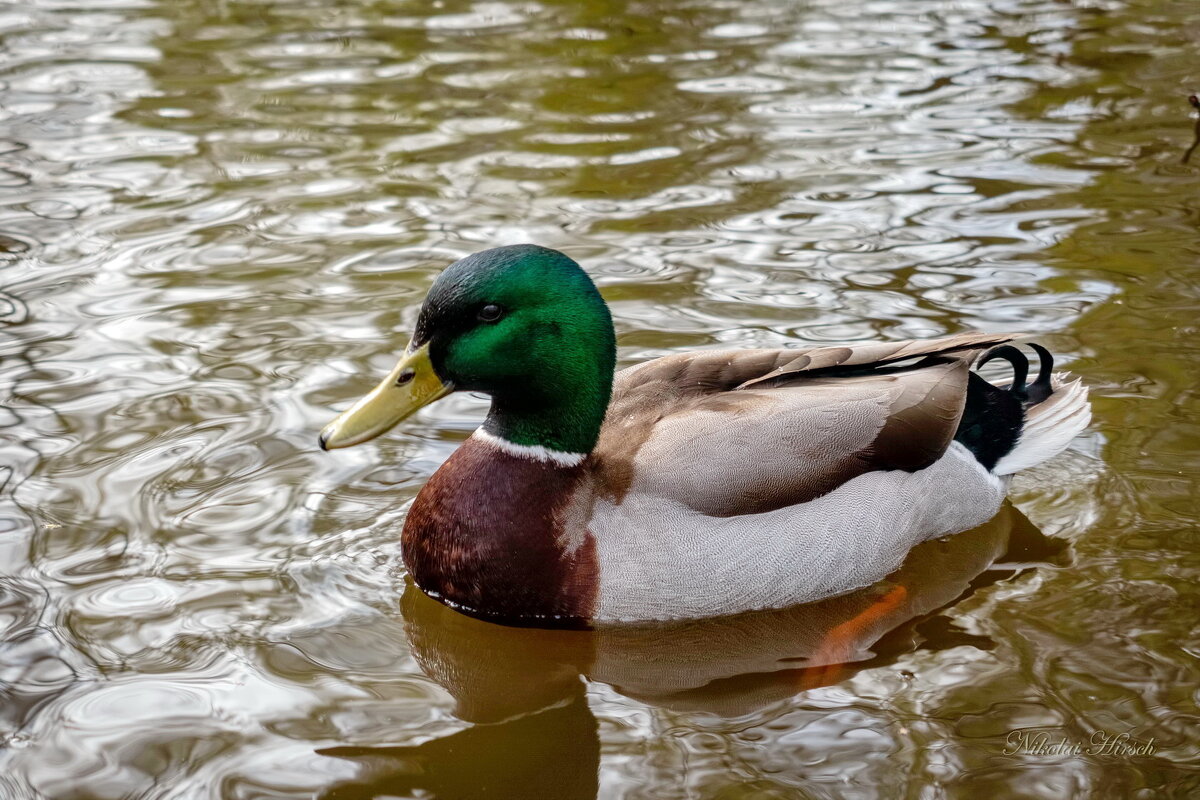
x,y
412,384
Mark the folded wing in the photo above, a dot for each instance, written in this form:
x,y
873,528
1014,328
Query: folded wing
x,y
740,432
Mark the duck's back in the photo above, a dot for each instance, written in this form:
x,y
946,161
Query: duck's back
x,y
729,481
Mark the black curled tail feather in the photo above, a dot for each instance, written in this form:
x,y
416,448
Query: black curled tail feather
x,y
1035,392
994,416
1040,389
1020,367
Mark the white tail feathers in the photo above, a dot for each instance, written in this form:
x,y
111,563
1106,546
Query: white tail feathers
x,y
1049,426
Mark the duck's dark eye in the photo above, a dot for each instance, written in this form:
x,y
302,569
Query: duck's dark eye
x,y
490,313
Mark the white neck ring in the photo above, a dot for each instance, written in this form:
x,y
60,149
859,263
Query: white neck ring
x,y
534,452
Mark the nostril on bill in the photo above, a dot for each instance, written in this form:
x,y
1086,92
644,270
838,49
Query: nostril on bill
x,y
405,376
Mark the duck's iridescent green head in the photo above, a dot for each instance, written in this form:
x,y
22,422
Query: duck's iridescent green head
x,y
523,324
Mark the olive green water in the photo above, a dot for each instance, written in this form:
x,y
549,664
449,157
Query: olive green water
x,y
217,219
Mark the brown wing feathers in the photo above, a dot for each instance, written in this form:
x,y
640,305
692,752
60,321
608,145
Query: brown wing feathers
x,y
922,404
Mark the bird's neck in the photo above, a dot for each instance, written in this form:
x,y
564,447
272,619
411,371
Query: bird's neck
x,y
561,415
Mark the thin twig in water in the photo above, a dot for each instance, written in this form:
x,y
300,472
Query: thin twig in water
x,y
1195,101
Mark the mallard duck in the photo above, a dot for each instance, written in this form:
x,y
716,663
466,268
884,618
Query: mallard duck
x,y
698,484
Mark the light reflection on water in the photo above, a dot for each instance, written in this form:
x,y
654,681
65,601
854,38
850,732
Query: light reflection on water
x,y
216,222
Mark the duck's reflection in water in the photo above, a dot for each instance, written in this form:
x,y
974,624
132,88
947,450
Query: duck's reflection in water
x,y
533,734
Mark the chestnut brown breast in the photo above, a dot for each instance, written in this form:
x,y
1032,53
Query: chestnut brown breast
x,y
491,534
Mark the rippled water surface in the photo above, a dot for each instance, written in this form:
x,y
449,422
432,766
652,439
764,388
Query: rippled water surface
x,y
218,217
